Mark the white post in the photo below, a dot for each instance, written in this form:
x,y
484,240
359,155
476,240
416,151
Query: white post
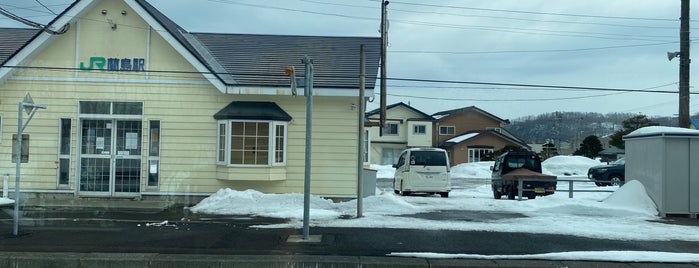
x,y
5,181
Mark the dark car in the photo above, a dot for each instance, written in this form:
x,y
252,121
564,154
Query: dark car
x,y
605,175
510,167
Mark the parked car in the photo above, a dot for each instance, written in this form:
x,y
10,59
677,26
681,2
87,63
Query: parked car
x,y
512,166
423,170
611,174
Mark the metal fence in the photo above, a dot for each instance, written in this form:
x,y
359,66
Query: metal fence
x,y
570,190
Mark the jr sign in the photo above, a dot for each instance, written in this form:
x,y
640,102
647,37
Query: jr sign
x,y
114,64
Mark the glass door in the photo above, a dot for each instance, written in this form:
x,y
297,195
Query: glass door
x,y
110,157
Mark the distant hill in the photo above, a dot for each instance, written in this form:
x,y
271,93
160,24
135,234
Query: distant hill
x,y
572,127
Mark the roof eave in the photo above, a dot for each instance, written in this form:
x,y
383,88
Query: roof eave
x,y
42,38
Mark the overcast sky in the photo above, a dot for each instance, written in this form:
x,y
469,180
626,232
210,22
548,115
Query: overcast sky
x,y
610,44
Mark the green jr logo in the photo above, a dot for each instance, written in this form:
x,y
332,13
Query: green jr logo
x,y
99,62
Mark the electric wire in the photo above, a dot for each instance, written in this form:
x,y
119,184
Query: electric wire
x,y
530,99
530,51
534,12
495,17
610,36
47,8
33,24
178,74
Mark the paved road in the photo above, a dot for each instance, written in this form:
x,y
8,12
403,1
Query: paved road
x,y
142,235
87,231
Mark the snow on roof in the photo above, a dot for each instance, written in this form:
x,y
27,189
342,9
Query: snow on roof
x,y
461,138
662,131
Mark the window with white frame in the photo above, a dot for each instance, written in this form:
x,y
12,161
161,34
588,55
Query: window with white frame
x,y
419,129
252,143
64,145
153,153
447,130
390,129
476,154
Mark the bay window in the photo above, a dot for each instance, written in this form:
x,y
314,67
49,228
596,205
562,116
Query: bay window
x,y
252,143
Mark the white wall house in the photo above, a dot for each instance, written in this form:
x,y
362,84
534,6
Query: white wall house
x,y
406,127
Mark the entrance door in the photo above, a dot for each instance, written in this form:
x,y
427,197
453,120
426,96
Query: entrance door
x,y
110,157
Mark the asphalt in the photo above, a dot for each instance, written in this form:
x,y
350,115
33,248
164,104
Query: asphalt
x,y
156,234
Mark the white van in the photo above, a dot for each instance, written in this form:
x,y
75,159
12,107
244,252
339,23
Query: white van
x,y
423,170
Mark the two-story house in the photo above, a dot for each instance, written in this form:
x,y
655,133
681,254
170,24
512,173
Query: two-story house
x,y
406,127
470,133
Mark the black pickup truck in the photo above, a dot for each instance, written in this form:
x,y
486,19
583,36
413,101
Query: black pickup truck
x,y
512,166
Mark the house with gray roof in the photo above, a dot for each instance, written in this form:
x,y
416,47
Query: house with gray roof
x,y
138,107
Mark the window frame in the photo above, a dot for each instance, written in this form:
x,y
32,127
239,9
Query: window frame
x,y
389,126
421,127
62,155
481,151
153,157
272,150
445,133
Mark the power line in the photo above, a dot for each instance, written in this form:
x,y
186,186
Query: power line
x,y
535,12
47,8
506,100
524,100
496,17
430,81
610,36
27,22
530,51
531,85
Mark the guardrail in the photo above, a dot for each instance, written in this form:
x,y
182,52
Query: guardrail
x,y
571,190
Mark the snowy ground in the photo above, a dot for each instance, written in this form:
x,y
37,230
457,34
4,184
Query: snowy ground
x,y
611,213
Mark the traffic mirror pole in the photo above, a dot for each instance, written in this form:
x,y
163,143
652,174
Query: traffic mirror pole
x,y
28,106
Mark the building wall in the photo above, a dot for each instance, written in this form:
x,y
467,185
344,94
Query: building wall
x,y
459,152
419,140
183,102
405,137
463,122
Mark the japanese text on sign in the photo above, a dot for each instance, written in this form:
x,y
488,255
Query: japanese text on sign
x,y
115,64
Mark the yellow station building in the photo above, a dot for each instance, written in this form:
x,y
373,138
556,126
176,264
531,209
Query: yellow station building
x,y
137,106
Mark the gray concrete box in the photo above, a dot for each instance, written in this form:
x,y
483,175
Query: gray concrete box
x,y
666,161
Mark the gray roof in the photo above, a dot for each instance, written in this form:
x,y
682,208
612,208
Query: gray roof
x,y
253,110
255,60
260,60
12,39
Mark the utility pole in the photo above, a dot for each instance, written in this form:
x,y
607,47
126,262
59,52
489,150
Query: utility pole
x,y
360,123
308,91
684,65
384,44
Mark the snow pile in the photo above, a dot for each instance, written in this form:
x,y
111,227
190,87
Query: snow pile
x,y
476,170
568,165
658,130
383,171
251,202
632,196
